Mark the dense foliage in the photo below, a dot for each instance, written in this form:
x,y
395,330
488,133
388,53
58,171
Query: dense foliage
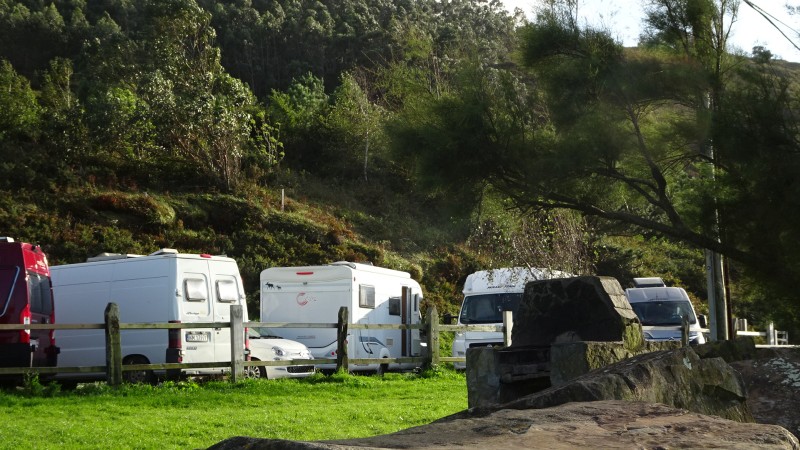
x,y
415,134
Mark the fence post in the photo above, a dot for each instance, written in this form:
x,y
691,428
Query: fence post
x,y
432,323
508,326
237,343
341,340
113,346
685,330
771,334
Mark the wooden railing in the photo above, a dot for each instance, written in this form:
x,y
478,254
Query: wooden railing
x,y
113,327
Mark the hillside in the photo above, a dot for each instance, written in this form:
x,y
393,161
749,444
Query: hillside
x,y
433,137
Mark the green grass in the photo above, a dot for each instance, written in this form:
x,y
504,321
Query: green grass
x,y
189,415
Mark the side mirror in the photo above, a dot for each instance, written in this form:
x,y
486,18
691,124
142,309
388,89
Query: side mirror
x,y
702,320
447,319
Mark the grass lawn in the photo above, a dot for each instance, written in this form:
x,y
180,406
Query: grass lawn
x,y
189,415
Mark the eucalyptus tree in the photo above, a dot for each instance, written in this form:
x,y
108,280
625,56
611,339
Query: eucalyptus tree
x,y
201,113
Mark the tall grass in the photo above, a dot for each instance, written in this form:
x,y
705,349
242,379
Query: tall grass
x,y
190,415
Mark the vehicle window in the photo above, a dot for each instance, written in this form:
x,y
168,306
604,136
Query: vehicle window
x,y
394,306
8,279
227,291
195,289
366,296
488,308
41,300
663,313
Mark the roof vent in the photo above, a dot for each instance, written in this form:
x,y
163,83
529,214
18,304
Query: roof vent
x,y
105,256
648,282
164,251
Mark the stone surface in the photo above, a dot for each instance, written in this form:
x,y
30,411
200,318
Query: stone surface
x,y
605,424
574,359
739,349
575,309
677,378
772,380
491,377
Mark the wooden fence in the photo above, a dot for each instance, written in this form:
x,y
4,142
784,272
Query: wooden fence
x,y
430,328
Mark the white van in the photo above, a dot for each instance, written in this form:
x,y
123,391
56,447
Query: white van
x,y
373,295
165,286
661,310
487,293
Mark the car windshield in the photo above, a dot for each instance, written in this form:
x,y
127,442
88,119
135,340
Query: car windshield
x,y
663,312
488,308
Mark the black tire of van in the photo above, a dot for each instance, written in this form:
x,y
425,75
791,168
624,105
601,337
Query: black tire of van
x,y
382,369
137,376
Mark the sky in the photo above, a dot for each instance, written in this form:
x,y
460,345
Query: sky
x,y
624,18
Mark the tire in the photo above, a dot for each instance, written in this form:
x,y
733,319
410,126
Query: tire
x,y
255,371
382,369
137,376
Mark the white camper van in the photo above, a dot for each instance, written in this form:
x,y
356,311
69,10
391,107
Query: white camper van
x,y
661,310
487,293
165,286
373,295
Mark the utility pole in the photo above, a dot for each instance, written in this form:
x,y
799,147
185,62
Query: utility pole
x,y
717,302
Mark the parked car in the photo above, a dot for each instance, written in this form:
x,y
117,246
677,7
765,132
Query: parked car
x,y
661,310
266,347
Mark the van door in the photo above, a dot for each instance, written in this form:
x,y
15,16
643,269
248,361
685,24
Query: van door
x,y
226,292
197,306
41,304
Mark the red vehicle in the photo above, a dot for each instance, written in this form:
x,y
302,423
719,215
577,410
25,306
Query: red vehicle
x,y
26,297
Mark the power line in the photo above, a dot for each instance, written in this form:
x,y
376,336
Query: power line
x,y
772,21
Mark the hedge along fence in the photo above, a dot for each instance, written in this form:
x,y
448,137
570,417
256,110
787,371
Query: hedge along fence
x,y
431,328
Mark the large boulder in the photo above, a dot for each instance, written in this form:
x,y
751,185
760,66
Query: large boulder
x,y
772,379
610,424
677,378
571,360
575,309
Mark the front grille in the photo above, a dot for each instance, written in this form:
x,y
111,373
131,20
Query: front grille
x,y
299,369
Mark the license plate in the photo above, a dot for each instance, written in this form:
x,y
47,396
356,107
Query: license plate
x,y
196,337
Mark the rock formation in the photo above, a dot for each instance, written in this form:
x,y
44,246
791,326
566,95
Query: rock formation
x,y
610,424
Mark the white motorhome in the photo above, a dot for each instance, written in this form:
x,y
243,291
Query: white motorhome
x,y
487,293
661,310
373,295
165,286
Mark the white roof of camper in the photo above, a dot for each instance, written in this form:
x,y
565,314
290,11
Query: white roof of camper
x,y
507,279
336,270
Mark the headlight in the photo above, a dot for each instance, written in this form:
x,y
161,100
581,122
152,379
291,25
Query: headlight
x,y
647,335
279,351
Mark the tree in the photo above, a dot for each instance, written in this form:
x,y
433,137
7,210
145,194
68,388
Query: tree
x,y
202,112
19,111
625,135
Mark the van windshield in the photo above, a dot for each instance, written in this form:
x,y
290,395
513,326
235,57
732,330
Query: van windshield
x,y
488,308
663,312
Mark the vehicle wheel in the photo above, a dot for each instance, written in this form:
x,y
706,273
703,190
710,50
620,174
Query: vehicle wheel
x,y
255,371
382,369
137,376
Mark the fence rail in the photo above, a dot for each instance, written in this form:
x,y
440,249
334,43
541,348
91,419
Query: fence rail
x,y
773,337
113,329
431,328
